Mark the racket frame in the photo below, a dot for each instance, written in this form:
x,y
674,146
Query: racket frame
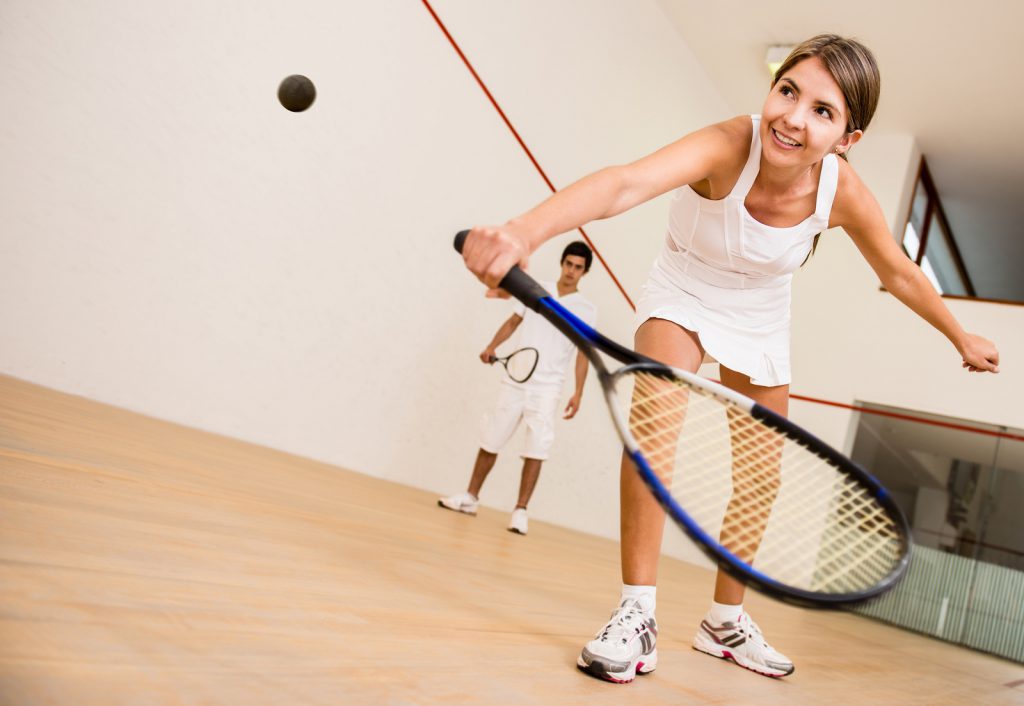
x,y
504,362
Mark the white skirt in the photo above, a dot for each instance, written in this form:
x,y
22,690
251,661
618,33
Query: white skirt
x,y
746,330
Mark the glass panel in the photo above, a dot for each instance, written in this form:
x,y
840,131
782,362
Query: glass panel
x,y
962,492
911,243
996,614
929,272
919,207
940,256
999,526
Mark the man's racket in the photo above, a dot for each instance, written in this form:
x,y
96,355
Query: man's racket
x,y
773,505
519,364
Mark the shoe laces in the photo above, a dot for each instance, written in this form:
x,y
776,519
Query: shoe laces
x,y
753,631
623,622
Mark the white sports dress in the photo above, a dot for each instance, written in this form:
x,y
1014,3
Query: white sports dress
x,y
728,277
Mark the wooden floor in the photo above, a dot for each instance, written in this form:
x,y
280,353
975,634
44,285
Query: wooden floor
x,y
146,563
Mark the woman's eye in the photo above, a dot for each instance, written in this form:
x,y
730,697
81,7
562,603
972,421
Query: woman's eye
x,y
825,112
786,91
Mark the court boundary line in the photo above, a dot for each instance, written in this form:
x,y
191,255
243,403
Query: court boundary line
x,y
522,143
910,418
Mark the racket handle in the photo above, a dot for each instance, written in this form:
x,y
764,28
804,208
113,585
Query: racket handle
x,y
517,283
492,358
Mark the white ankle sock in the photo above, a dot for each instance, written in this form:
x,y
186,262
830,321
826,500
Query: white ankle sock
x,y
645,595
724,613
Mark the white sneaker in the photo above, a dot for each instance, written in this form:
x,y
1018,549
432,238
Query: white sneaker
x,y
624,647
743,643
460,502
519,522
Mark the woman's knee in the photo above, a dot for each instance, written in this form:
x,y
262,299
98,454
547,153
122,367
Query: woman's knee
x,y
669,343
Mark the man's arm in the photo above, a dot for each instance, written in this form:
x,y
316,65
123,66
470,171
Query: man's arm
x,y
581,377
502,335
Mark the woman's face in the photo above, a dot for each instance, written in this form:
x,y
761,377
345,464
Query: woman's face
x,y
804,117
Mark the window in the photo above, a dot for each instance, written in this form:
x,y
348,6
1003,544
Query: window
x,y
928,240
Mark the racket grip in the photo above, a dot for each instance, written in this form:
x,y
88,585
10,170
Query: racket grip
x,y
517,283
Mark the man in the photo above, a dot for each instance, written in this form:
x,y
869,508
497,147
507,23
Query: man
x,y
536,400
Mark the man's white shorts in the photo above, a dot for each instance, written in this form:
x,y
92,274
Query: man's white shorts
x,y
535,407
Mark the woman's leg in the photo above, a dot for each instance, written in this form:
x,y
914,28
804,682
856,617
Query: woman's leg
x,y
727,631
642,521
727,589
627,644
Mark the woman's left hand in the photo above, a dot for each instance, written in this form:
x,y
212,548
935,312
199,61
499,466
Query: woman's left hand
x,y
979,354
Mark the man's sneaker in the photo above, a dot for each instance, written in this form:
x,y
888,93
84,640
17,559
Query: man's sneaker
x,y
519,522
624,647
460,502
743,643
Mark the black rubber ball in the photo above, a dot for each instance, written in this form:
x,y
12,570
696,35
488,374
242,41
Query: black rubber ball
x,y
296,93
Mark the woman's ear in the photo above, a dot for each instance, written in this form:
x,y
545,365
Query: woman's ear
x,y
848,141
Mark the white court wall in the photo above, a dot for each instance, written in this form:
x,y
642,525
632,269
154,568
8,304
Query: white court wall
x,y
175,242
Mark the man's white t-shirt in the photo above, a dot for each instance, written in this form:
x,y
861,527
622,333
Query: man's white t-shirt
x,y
555,351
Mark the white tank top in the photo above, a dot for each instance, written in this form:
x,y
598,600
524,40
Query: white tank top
x,y
728,277
720,243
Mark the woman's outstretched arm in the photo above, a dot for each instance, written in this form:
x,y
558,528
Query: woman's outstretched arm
x,y
857,211
491,251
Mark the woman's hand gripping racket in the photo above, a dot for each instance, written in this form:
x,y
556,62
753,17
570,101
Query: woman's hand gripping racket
x,y
519,364
770,503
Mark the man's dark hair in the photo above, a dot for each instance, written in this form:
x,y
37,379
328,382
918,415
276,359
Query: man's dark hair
x,y
581,249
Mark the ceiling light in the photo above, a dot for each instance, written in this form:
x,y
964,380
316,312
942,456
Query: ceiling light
x,y
775,56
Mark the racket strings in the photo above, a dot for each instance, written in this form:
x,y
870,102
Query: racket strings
x,y
775,504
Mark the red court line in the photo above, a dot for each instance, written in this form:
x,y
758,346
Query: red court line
x,y
911,418
522,144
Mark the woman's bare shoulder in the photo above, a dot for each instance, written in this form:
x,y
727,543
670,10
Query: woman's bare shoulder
x,y
851,195
731,146
734,132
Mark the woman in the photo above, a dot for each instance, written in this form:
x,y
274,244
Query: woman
x,y
753,194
